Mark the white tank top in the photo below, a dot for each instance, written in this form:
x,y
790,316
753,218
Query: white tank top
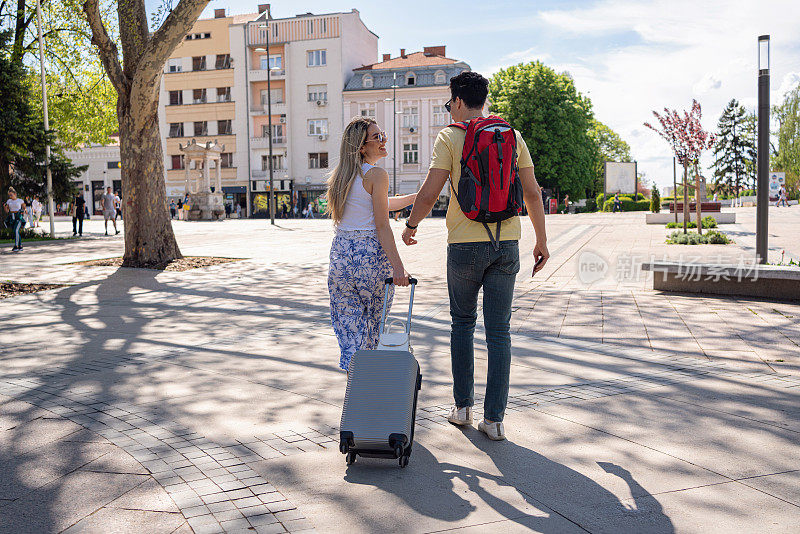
x,y
358,214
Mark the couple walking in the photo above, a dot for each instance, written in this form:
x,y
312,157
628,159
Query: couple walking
x,y
364,253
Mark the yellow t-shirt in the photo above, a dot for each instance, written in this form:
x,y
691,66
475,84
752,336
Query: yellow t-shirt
x,y
447,155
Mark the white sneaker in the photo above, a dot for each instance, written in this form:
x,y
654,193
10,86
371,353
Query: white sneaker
x,y
460,416
494,431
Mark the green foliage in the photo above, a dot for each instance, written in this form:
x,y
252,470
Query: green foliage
x,y
673,224
627,204
734,149
7,234
709,222
553,119
712,237
591,205
787,157
655,200
609,147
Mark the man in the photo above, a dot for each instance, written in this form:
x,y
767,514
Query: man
x,y
473,262
109,201
118,206
78,212
617,204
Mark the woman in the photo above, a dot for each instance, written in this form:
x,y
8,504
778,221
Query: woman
x,y
363,253
15,208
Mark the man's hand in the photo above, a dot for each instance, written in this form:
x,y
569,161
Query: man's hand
x,y
541,255
408,236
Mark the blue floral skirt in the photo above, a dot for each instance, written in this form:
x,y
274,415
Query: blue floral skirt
x,y
356,277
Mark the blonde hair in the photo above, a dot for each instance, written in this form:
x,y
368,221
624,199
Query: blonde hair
x,y
12,190
340,181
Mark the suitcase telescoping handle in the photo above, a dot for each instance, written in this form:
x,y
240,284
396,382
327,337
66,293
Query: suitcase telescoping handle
x,y
388,282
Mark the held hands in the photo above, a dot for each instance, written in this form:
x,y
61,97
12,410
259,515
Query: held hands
x,y
408,236
541,255
399,275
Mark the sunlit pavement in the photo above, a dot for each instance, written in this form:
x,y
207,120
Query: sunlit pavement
x,y
208,400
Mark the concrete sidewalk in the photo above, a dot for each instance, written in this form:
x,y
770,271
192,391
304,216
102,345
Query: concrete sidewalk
x,y
140,401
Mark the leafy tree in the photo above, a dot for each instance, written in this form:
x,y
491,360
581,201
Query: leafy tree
x,y
655,199
136,77
787,157
22,137
734,150
688,139
609,147
554,119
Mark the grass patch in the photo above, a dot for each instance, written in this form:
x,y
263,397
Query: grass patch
x,y
13,289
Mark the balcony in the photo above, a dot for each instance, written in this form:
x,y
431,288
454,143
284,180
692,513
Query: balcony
x,y
260,75
263,142
260,174
278,108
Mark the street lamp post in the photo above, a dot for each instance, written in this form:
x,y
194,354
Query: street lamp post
x,y
394,135
269,127
762,189
50,203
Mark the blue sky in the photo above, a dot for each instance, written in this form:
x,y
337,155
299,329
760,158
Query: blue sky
x,y
628,56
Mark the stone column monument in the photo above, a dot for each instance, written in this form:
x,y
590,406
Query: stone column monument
x,y
206,205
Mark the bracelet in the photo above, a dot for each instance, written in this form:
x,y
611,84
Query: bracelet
x,y
409,226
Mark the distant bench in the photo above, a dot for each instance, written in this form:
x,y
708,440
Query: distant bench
x,y
754,280
705,207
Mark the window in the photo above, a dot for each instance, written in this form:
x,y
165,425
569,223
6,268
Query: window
x,y
318,160
176,129
439,116
226,160
439,77
366,81
318,127
113,164
317,92
277,96
199,63
316,58
175,64
223,61
223,94
175,98
177,162
310,26
411,79
410,153
368,112
410,117
199,96
195,36
277,133
224,127
278,162
274,62
200,128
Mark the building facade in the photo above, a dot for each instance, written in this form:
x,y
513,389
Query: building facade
x,y
406,95
103,171
222,82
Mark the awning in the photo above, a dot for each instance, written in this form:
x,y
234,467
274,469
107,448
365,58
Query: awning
x,y
235,189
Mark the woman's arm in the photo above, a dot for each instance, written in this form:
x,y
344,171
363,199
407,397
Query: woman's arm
x,y
378,181
398,203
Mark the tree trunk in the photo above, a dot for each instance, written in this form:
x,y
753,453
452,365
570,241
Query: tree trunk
x,y
149,238
697,208
685,198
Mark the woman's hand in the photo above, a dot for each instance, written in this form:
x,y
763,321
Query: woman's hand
x,y
399,275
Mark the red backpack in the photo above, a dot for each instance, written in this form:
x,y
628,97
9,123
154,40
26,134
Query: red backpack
x,y
489,190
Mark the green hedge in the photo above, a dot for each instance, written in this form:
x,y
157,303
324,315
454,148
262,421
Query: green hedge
x,y
708,222
601,199
712,237
627,204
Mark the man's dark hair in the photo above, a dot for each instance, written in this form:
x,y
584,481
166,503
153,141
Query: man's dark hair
x,y
470,87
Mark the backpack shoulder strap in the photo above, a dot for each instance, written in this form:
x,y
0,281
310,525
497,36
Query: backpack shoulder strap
x,y
463,125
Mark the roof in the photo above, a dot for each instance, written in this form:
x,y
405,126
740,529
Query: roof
x,y
415,59
425,77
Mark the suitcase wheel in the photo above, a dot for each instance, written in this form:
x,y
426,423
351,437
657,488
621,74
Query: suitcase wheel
x,y
398,451
351,458
403,461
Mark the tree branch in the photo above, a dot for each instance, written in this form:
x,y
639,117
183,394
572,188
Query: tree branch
x,y
108,49
162,43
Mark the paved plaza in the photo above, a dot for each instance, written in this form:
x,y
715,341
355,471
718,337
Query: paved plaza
x,y
209,400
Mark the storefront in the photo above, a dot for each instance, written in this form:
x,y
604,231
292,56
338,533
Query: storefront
x,y
311,193
235,196
260,197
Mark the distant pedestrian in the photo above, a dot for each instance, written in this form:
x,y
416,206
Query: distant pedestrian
x,y
310,212
715,197
109,210
238,211
295,210
782,197
228,210
37,211
617,203
566,204
15,218
180,209
173,209
118,206
78,212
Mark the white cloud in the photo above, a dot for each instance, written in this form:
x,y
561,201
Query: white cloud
x,y
789,82
682,49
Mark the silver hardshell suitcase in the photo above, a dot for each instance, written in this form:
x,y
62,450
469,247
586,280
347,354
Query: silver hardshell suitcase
x,y
380,402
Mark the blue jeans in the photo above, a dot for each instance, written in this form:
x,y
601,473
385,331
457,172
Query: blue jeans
x,y
470,267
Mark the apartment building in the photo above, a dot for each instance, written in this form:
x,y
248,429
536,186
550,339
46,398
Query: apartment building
x,y
215,87
102,170
406,95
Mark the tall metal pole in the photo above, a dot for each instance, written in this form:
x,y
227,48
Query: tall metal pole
x,y
50,204
269,120
394,135
762,189
738,159
675,189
